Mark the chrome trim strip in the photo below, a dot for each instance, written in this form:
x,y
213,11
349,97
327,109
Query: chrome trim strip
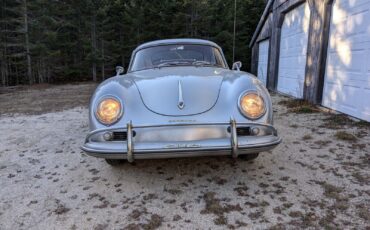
x,y
181,103
201,124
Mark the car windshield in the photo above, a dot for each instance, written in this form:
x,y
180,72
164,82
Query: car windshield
x,y
177,55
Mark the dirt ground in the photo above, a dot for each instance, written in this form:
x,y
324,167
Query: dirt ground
x,y
318,177
43,98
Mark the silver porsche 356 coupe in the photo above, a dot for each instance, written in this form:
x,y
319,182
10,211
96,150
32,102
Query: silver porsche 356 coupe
x,y
180,99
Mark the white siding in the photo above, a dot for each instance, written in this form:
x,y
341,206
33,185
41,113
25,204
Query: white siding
x,y
263,57
347,76
293,51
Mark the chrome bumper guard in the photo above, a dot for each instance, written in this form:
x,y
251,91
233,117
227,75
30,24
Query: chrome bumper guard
x,y
130,154
270,142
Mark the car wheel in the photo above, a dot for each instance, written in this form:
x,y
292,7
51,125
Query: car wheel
x,y
249,157
114,162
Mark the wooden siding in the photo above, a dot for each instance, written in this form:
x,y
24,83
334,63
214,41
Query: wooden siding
x,y
263,35
316,51
316,47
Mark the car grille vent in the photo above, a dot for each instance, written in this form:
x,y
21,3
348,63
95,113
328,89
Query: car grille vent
x,y
119,136
243,131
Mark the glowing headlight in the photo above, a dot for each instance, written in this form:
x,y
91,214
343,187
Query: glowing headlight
x,y
109,110
252,105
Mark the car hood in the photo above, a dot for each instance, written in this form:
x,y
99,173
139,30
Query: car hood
x,y
162,90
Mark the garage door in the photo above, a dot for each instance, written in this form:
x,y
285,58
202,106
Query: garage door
x,y
347,77
263,57
293,51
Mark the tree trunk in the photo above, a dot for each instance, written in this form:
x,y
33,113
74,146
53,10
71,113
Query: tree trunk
x,y
103,61
4,70
2,65
45,70
16,75
40,72
192,19
49,75
29,67
93,44
4,61
80,49
122,51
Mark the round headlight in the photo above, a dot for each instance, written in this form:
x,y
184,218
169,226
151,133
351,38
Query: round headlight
x,y
252,105
109,111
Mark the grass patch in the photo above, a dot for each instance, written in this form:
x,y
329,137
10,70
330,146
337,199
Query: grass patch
x,y
299,106
322,143
333,192
344,136
327,222
360,178
338,121
173,191
214,206
61,209
154,222
304,109
220,220
255,215
295,214
136,213
242,191
363,212
363,124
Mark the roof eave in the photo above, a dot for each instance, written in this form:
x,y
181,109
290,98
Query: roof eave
x,y
261,22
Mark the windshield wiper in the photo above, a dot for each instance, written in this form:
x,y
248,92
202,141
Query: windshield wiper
x,y
202,63
173,63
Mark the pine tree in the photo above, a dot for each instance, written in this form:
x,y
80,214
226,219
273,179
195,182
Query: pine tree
x,y
63,40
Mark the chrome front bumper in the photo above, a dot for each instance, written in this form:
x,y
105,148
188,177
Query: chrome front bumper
x,y
181,140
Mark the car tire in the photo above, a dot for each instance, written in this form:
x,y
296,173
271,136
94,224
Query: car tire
x,y
114,162
249,157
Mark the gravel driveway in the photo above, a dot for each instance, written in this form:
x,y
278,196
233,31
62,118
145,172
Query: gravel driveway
x,y
319,177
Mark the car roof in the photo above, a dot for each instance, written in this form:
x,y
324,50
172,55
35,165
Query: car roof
x,y
176,41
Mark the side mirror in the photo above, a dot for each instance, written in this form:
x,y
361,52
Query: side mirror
x,y
237,65
119,70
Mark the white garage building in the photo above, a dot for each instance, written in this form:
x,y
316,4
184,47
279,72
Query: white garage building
x,y
318,50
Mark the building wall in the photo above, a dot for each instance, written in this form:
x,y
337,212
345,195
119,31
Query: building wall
x,y
263,35
293,51
317,41
335,64
347,74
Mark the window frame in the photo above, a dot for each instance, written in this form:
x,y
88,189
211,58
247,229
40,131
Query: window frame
x,y
133,56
